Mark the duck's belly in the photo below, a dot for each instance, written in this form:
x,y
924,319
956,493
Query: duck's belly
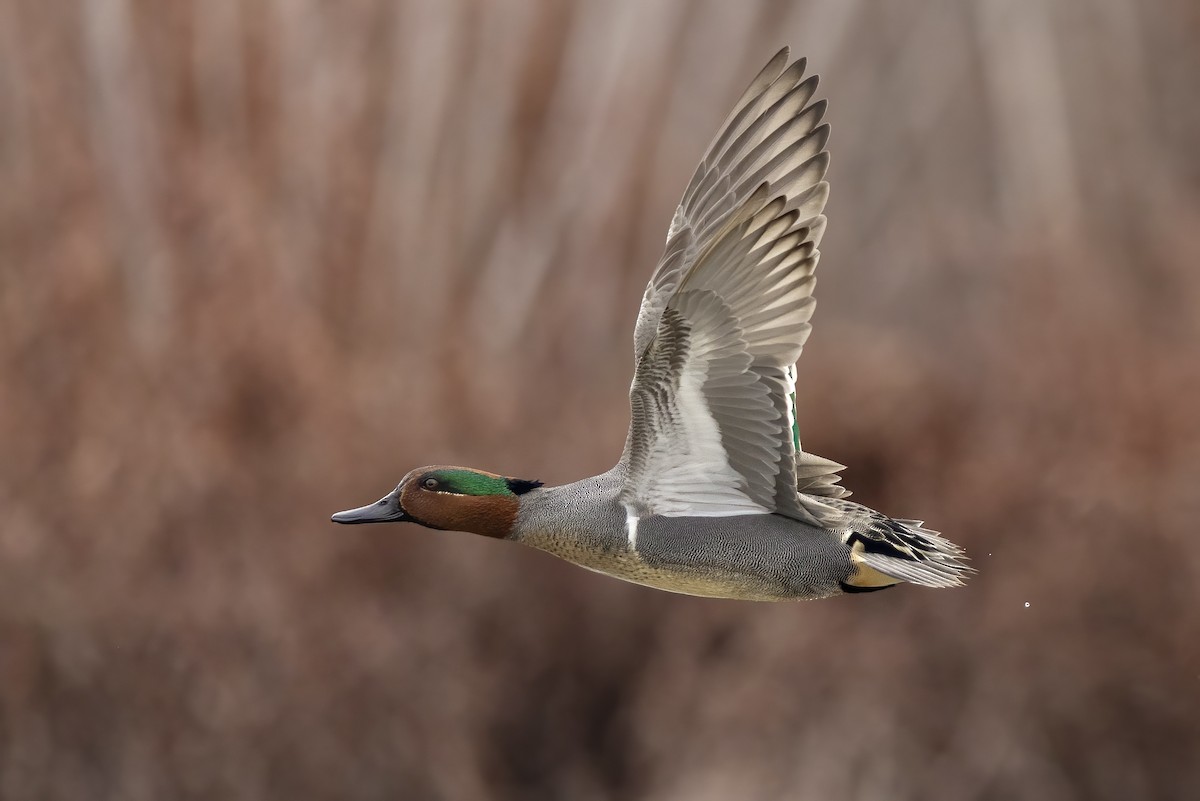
x,y
749,557
692,581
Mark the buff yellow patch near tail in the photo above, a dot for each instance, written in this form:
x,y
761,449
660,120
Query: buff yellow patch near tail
x,y
864,575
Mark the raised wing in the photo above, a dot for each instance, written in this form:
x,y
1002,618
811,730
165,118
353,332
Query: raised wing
x,y
726,315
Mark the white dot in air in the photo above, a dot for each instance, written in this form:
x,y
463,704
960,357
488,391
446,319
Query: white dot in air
x,y
1027,604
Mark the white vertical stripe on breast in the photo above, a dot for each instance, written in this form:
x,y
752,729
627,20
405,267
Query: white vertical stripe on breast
x,y
789,391
631,524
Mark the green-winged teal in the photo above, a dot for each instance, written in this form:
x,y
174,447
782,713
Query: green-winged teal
x,y
713,495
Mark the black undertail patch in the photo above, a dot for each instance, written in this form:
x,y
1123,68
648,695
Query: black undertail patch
x,y
850,589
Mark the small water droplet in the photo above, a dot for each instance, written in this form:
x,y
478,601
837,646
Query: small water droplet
x,y
1027,604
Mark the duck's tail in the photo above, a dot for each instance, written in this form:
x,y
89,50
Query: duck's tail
x,y
887,551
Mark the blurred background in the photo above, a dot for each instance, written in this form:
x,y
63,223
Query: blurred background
x,y
259,259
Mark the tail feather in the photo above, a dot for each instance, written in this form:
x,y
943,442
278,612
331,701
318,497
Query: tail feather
x,y
904,550
931,573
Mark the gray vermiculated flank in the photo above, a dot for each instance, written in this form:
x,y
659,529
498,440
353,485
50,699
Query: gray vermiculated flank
x,y
776,554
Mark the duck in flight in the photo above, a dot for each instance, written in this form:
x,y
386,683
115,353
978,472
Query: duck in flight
x,y
713,495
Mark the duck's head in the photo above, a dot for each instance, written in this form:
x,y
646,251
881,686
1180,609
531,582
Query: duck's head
x,y
448,498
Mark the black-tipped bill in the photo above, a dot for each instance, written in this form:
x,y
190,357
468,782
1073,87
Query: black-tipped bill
x,y
385,510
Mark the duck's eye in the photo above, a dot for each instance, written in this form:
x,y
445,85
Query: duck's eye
x,y
430,483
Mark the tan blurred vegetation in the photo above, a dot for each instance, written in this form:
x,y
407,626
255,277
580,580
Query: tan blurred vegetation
x,y
259,259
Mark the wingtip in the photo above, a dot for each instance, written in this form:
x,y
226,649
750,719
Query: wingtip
x,y
774,68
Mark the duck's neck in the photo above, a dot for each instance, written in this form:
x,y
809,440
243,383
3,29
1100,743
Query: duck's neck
x,y
579,511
